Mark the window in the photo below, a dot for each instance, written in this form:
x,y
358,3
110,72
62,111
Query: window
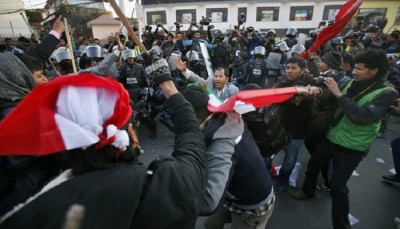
x,y
185,16
156,17
330,12
371,15
267,14
397,20
217,14
242,11
301,13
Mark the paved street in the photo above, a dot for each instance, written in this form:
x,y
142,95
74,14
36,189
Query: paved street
x,y
373,202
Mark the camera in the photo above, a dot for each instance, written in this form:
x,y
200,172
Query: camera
x,y
242,19
134,28
205,21
211,27
148,27
177,24
250,29
319,81
159,25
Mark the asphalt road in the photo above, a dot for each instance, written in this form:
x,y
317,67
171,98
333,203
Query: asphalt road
x,y
373,202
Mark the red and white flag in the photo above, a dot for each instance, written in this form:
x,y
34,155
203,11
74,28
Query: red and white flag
x,y
246,101
67,113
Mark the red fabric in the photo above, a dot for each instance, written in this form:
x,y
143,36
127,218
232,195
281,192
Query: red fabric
x,y
30,129
258,98
345,14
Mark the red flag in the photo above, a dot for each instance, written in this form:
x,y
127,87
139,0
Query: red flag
x,y
345,14
246,101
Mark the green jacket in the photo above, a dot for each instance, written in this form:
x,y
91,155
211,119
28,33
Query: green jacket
x,y
354,136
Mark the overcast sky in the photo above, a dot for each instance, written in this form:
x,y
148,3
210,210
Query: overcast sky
x,y
35,4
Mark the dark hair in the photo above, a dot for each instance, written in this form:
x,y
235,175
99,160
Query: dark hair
x,y
32,63
348,59
226,72
373,58
8,39
91,159
251,86
297,60
84,62
199,100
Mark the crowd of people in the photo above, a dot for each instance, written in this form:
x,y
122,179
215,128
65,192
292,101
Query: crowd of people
x,y
221,164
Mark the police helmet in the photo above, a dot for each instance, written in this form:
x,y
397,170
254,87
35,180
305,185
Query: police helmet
x,y
298,48
129,53
93,51
172,58
291,31
192,56
62,54
259,50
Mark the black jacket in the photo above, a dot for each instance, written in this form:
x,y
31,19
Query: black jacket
x,y
165,195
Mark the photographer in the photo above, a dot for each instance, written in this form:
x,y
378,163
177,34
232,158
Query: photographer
x,y
323,115
219,53
167,45
148,37
159,34
253,41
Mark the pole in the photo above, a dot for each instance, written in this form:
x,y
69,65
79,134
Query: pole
x,y
12,29
70,46
126,24
30,28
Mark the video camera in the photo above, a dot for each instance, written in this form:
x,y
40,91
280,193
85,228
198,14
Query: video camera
x,y
242,19
177,24
205,21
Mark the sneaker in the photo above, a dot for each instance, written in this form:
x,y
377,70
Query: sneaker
x,y
391,178
324,188
279,187
300,195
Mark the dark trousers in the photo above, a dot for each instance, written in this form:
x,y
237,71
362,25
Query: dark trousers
x,y
346,161
396,155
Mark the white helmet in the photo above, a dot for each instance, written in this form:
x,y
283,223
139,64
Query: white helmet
x,y
172,58
298,48
129,53
283,46
62,54
259,50
93,50
193,56
291,31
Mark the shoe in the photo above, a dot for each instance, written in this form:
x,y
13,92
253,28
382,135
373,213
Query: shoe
x,y
381,135
153,135
391,178
300,195
279,187
324,188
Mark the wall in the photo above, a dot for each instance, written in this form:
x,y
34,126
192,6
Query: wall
x,y
103,31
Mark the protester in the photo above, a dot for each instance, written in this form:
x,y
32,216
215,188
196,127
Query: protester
x,y
362,103
129,193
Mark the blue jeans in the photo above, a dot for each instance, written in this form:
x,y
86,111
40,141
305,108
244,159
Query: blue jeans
x,y
395,144
291,151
